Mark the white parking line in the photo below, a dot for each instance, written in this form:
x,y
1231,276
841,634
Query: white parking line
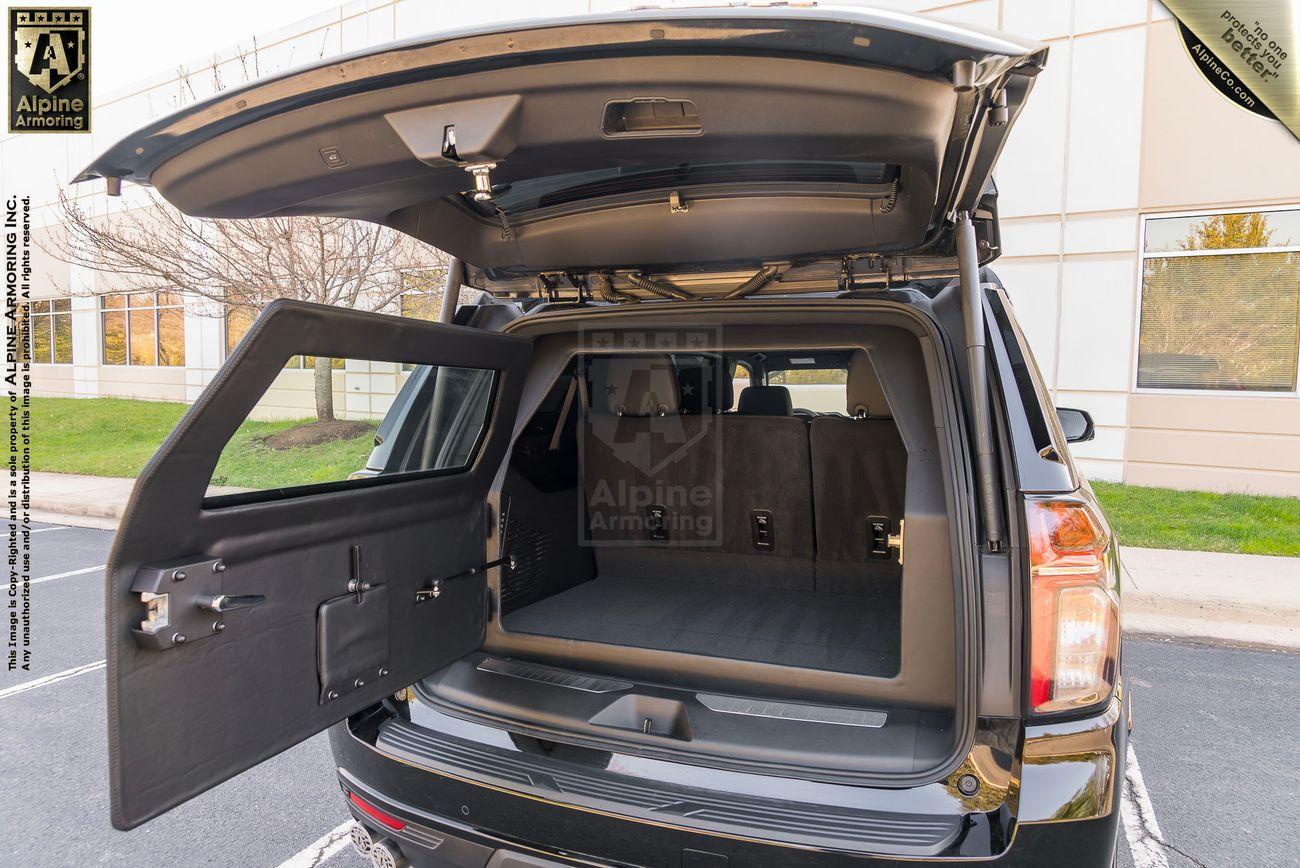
x,y
1145,841
68,573
51,679
44,529
322,849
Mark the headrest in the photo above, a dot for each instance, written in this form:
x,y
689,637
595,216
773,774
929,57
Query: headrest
x,y
865,396
705,389
633,385
766,401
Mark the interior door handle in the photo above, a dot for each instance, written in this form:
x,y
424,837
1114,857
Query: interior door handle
x,y
223,603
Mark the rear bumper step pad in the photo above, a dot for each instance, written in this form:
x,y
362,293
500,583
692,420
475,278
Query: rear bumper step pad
x,y
554,780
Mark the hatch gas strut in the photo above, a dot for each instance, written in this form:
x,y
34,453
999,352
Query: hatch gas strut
x,y
972,300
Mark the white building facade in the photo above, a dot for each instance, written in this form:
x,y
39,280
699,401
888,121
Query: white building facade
x,y
1151,235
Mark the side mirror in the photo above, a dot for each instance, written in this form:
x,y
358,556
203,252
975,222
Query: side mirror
x,y
1077,424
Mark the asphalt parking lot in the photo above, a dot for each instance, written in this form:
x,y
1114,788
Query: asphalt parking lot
x,y
1217,780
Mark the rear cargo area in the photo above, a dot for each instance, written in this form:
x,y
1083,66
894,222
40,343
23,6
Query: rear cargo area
x,y
831,632
704,553
714,520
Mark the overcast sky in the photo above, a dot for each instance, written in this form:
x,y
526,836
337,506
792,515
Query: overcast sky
x,y
133,39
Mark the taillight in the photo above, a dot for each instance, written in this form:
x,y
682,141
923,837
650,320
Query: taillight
x,y
1075,630
383,818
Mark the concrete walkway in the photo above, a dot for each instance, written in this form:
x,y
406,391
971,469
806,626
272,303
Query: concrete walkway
x,y
1209,595
1243,598
87,501
70,494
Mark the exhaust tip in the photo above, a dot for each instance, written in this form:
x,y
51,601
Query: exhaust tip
x,y
384,854
362,841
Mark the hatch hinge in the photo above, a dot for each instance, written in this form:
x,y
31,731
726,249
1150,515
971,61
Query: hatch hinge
x,y
481,172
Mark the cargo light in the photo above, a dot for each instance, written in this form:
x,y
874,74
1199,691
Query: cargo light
x,y
1074,605
384,819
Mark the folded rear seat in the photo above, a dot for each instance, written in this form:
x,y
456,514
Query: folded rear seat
x,y
859,467
703,496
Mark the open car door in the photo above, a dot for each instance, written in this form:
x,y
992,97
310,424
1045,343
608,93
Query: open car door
x,y
241,624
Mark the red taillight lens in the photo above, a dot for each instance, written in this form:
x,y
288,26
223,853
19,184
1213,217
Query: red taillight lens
x,y
382,818
1074,634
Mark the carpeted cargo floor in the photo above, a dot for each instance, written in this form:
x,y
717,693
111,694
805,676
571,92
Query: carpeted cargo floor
x,y
813,630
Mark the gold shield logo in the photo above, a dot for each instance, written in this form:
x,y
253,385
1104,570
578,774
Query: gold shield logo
x,y
50,46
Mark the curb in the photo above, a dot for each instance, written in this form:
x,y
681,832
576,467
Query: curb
x,y
91,509
1213,618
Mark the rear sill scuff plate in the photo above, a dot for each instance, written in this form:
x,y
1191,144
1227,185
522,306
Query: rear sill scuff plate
x,y
551,675
830,714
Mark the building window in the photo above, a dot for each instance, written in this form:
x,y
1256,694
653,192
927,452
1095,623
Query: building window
x,y
143,328
1221,302
238,320
50,332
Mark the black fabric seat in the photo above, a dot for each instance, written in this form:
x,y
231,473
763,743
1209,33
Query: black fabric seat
x,y
859,468
765,401
705,389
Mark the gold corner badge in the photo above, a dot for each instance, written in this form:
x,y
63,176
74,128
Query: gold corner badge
x,y
49,84
1249,50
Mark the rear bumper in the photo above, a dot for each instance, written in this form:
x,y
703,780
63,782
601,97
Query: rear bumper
x,y
466,817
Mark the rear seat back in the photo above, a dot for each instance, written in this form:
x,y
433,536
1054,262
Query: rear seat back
x,y
859,469
735,491
767,487
638,450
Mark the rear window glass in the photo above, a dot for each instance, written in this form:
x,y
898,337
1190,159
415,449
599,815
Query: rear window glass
x,y
534,193
820,390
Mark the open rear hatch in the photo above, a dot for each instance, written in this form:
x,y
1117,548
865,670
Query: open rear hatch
x,y
625,156
664,140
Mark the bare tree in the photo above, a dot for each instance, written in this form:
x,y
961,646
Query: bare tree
x,y
242,265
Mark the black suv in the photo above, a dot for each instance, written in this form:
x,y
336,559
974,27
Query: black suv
x,y
732,524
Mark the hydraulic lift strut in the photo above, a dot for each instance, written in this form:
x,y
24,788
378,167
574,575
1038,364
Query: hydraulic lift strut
x,y
972,299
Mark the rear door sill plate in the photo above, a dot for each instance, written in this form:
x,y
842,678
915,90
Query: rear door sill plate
x,y
795,711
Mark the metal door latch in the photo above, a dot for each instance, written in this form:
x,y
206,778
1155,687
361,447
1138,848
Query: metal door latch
x,y
185,601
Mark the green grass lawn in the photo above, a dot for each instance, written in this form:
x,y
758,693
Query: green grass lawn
x,y
116,436
1162,518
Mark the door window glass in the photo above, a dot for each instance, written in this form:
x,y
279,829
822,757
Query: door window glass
x,y
346,421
